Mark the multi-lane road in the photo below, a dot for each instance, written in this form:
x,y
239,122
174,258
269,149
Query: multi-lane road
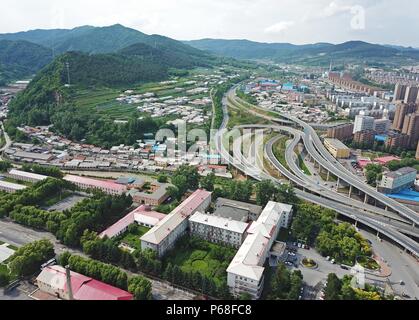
x,y
358,211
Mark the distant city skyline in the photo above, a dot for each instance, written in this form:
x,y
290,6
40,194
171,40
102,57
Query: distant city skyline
x,y
295,21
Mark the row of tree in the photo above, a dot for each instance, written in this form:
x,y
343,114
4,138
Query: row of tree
x,y
34,196
43,170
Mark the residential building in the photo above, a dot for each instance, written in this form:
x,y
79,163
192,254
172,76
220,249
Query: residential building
x,y
341,132
11,187
337,148
217,229
363,123
105,186
57,281
164,235
394,182
397,140
417,152
26,176
402,110
411,128
411,94
365,137
400,92
245,273
382,126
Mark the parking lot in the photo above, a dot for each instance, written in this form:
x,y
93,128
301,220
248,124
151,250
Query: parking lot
x,y
314,279
67,203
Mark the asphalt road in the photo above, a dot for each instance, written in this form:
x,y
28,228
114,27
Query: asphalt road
x,y
18,235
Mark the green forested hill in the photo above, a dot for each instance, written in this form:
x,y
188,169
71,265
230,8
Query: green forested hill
x,y
314,54
21,58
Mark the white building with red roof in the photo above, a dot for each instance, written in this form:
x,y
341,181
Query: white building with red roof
x,y
106,186
53,280
164,235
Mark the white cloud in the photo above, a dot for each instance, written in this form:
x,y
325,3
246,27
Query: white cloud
x,y
279,27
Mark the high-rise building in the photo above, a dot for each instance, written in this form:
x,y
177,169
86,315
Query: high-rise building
x,y
342,132
417,152
400,92
411,128
363,123
402,110
382,126
411,94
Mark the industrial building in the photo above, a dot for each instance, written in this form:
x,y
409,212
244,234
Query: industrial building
x,y
68,285
11,187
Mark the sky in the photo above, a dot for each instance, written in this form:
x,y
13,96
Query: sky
x,y
295,21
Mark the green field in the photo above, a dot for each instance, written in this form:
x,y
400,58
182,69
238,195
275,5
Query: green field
x,y
201,258
132,237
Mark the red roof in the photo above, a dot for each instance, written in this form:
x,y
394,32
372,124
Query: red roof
x,y
96,290
84,288
385,160
102,184
190,205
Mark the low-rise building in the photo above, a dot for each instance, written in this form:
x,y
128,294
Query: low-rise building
x,y
337,148
108,187
155,195
57,281
237,210
26,176
11,187
164,235
142,215
394,182
216,229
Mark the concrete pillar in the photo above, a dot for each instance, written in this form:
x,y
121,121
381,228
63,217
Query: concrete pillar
x,y
356,223
328,176
350,191
338,184
366,198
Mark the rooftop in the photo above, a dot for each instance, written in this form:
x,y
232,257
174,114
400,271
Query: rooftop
x,y
105,184
401,172
176,217
84,288
219,222
28,175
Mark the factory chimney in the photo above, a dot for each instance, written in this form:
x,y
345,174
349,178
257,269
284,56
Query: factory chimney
x,y
69,288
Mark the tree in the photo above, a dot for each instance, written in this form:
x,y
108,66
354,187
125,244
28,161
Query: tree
x,y
333,288
140,288
208,182
265,192
5,166
162,178
28,259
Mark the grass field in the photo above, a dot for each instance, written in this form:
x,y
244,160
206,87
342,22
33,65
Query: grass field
x,y
132,238
279,150
303,166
